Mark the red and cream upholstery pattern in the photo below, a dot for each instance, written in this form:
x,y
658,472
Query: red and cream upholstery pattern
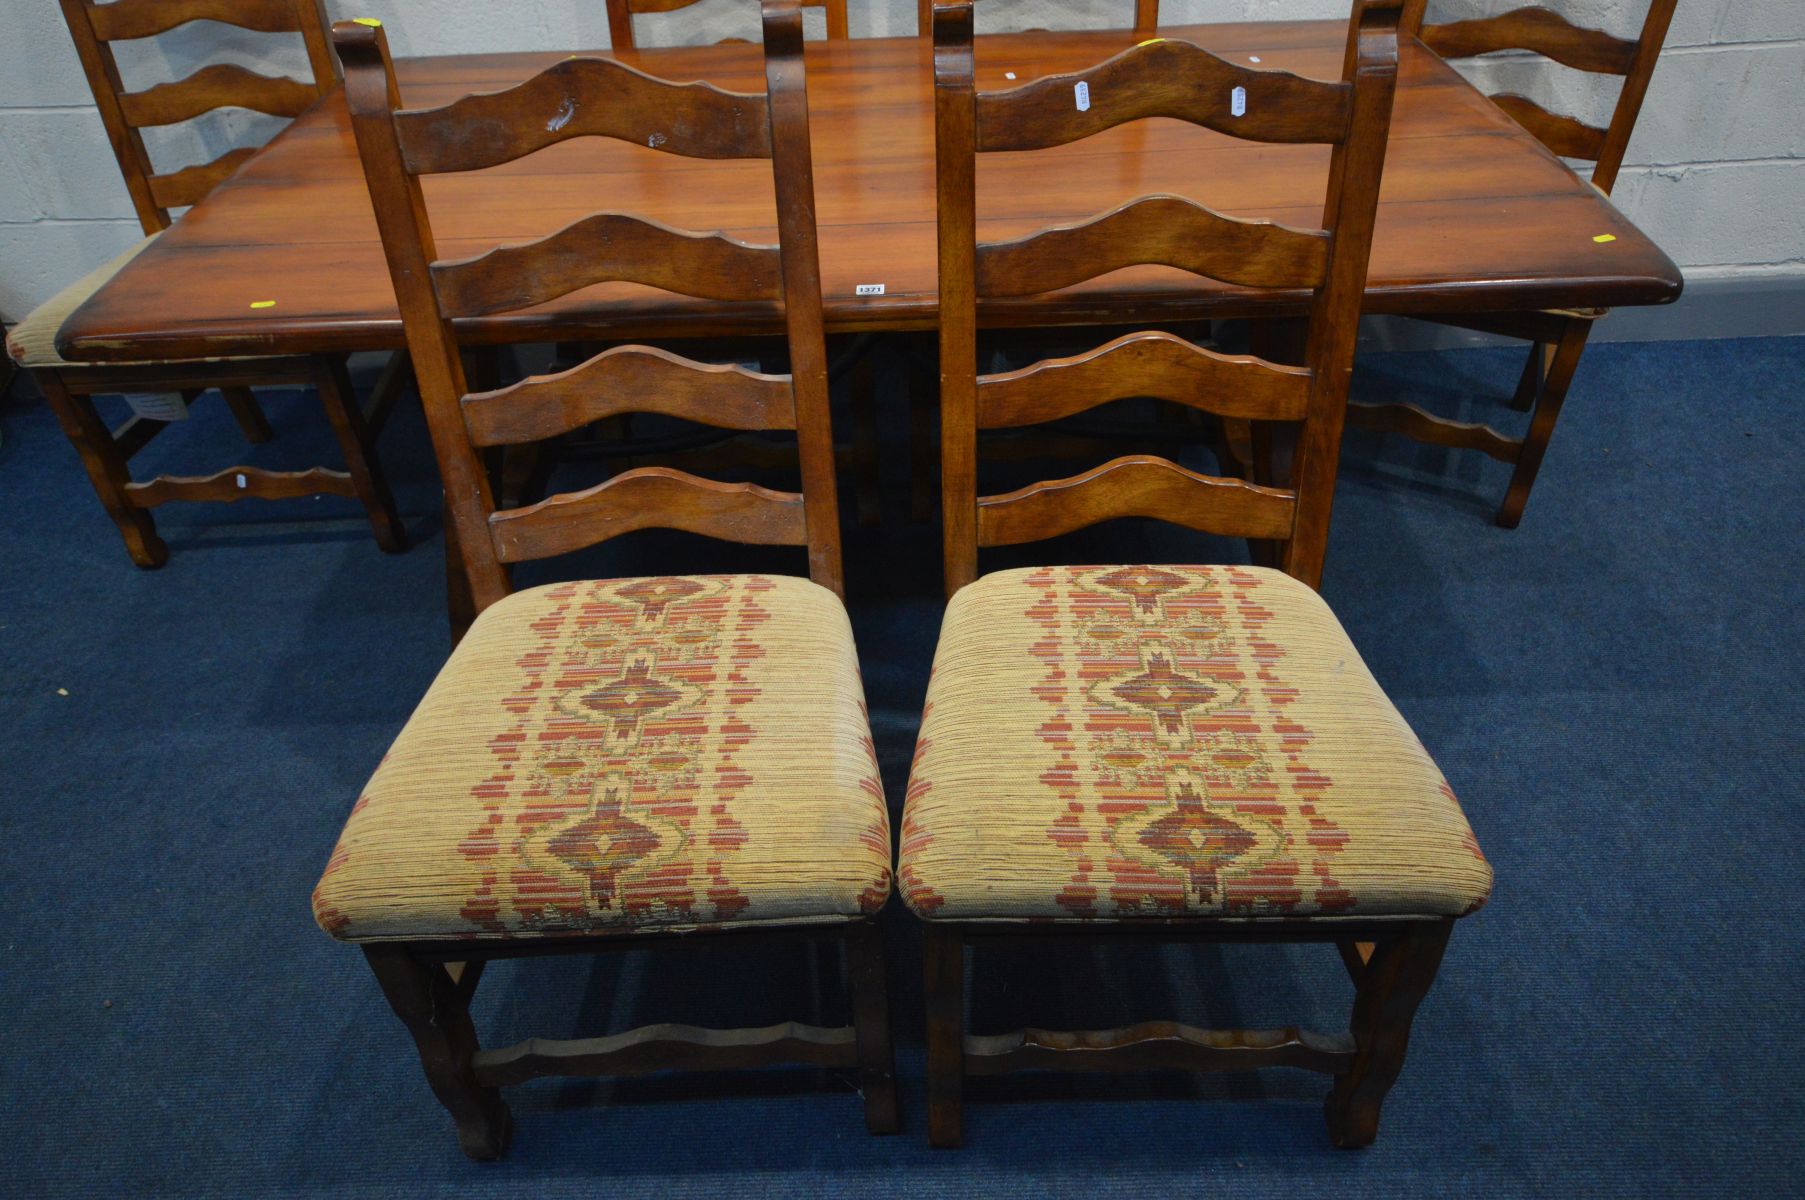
x,y
622,755
1112,742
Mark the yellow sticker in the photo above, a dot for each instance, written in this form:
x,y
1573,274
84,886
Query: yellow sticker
x,y
263,304
372,22
1602,238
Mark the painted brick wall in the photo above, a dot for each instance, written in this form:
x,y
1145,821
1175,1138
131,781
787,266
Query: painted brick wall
x,y
1714,173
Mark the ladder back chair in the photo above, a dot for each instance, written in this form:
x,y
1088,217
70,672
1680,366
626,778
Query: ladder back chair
x,y
1179,752
71,386
622,12
1558,337
606,764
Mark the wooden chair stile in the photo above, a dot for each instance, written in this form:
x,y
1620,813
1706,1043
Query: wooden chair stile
x,y
71,386
1167,753
622,12
641,841
1558,336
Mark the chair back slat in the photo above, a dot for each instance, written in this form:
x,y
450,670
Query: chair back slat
x,y
622,12
584,97
1163,78
1157,79
222,85
1567,136
1547,33
602,98
607,247
190,185
1165,230
95,27
1152,364
1538,30
629,379
1136,486
649,498
128,20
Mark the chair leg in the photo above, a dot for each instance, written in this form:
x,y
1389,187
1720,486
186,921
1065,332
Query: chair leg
x,y
944,954
339,399
1559,377
426,999
1392,983
106,469
871,1025
248,413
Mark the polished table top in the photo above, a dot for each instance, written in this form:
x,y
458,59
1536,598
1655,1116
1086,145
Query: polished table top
x,y
1474,216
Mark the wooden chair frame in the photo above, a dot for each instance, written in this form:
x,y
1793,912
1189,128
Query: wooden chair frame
x,y
95,27
622,12
1559,336
1156,79
397,147
70,389
1392,963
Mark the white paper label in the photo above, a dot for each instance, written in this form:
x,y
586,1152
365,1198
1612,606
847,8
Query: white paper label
x,y
868,289
1237,102
158,406
1082,93
241,481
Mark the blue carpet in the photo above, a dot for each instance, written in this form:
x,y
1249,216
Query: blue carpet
x,y
1613,690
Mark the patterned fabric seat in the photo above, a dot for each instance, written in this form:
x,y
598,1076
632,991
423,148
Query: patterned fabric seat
x,y
1170,742
625,755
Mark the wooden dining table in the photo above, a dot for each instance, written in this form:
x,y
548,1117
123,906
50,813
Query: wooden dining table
x,y
1475,215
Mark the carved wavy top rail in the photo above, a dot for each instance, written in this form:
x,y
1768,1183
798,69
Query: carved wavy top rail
x,y
625,379
1564,135
1136,486
125,20
603,247
178,189
665,1047
1164,78
584,97
1160,365
1540,30
649,498
1158,1045
222,85
1168,230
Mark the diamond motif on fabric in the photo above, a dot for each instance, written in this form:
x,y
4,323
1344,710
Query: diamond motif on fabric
x,y
1172,697
1148,587
1203,839
624,705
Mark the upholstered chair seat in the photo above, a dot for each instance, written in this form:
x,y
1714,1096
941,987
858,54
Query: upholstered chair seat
x,y
625,756
1123,742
